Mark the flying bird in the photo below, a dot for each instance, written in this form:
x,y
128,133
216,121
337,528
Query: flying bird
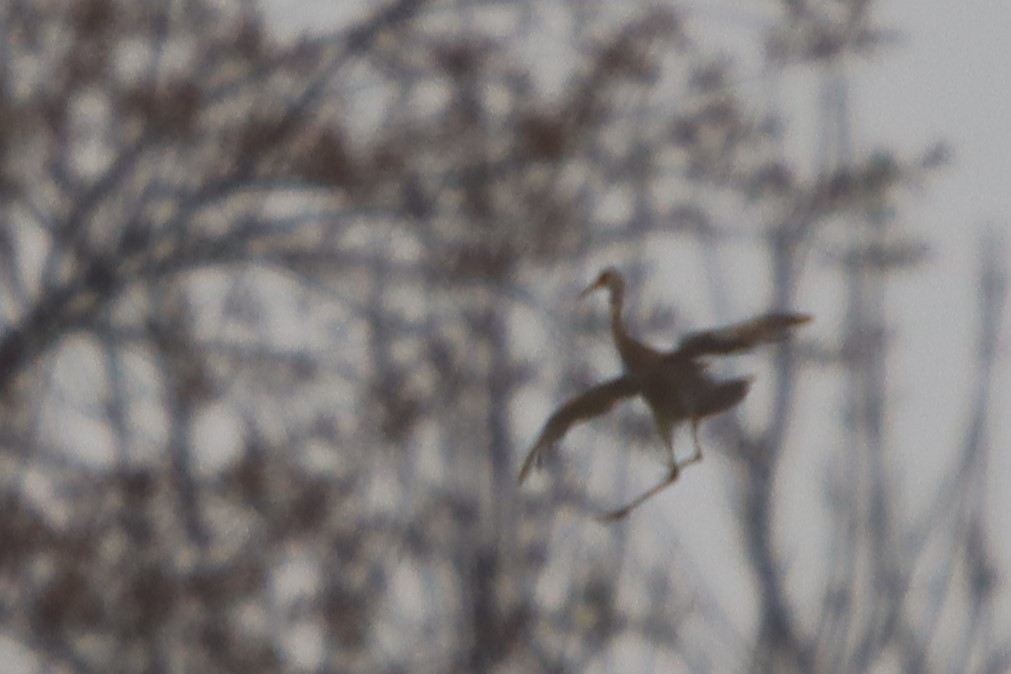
x,y
675,384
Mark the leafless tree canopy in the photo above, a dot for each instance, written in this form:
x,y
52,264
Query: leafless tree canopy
x,y
274,315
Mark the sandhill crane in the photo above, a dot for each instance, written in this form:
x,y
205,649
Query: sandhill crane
x,y
675,384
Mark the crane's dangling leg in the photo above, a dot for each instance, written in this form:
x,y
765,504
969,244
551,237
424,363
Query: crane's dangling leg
x,y
622,513
695,442
675,472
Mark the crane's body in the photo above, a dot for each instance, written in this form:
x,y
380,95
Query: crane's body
x,y
674,384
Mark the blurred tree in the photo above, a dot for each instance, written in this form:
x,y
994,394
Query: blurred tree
x,y
264,311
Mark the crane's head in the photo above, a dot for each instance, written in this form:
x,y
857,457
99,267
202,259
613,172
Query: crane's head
x,y
610,279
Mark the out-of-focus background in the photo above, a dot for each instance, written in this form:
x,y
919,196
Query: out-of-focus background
x,y
287,290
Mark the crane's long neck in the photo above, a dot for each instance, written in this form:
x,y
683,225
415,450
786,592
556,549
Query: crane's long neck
x,y
628,348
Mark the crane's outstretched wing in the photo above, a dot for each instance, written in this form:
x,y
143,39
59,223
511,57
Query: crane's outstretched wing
x,y
583,407
740,336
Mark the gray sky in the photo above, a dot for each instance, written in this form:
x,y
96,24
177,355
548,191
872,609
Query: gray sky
x,y
946,79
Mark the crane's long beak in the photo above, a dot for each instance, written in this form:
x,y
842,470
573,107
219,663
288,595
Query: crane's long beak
x,y
596,285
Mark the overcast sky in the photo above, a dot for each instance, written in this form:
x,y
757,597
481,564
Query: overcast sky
x,y
945,79
949,80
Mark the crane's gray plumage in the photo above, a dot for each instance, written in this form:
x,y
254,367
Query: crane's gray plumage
x,y
675,384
